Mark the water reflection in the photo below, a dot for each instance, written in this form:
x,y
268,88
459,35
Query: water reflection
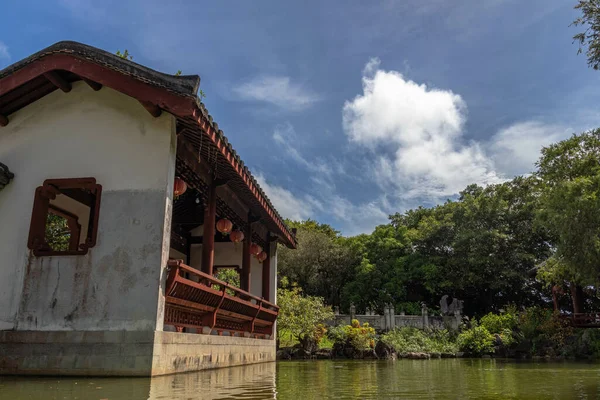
x,y
403,379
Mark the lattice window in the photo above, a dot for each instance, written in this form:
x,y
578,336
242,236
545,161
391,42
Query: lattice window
x,y
65,217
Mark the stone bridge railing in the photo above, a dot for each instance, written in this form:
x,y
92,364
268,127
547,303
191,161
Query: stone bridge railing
x,y
390,320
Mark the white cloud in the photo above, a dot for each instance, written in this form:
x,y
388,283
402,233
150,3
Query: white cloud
x,y
289,205
277,90
285,136
421,131
516,148
4,54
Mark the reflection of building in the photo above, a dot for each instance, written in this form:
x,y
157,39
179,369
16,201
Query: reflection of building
x,y
89,282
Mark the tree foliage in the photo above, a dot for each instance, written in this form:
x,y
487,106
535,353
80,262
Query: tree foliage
x,y
589,39
483,247
301,315
569,204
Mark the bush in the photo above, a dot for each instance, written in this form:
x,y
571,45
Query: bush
x,y
497,323
360,337
409,340
476,341
337,334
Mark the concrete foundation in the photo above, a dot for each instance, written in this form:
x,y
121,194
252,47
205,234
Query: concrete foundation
x,y
124,353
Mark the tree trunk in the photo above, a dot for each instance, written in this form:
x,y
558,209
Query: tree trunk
x,y
577,298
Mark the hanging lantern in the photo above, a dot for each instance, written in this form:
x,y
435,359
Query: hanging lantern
x,y
262,256
179,187
236,236
255,249
224,226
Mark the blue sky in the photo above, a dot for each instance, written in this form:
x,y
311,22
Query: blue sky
x,y
350,111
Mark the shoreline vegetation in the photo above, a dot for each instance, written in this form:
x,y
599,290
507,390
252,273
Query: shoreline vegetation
x,y
533,333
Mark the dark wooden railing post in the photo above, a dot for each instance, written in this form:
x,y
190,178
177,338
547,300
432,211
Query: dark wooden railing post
x,y
208,236
266,273
246,258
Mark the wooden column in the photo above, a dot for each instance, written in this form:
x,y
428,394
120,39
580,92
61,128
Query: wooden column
x,y
208,235
246,258
266,272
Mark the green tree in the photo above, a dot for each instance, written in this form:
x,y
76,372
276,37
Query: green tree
x,y
569,204
58,234
301,315
322,262
590,37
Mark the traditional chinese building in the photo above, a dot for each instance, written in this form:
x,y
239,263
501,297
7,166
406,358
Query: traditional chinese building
x,y
120,198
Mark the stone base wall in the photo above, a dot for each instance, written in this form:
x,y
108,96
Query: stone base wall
x,y
184,352
124,353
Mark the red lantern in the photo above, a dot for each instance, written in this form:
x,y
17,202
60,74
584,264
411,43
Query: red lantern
x,y
224,226
236,236
262,256
179,187
255,249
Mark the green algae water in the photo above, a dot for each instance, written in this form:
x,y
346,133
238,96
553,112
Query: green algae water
x,y
402,379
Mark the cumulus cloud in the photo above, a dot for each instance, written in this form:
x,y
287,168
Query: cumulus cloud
x,y
516,148
421,130
4,54
277,90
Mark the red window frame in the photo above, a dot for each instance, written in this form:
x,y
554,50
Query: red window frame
x,y
41,207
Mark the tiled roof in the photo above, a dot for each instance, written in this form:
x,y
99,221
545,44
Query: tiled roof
x,y
193,114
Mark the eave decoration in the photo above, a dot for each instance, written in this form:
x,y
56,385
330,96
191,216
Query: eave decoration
x,y
224,226
179,187
5,176
255,249
236,236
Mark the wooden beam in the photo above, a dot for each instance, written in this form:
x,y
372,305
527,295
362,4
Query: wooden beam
x,y
188,249
3,120
186,152
58,81
94,85
218,239
246,258
221,182
266,272
233,201
153,109
208,235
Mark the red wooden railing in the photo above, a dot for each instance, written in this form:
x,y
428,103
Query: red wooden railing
x,y
583,320
197,300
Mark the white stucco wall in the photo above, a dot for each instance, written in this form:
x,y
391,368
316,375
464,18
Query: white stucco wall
x,y
115,286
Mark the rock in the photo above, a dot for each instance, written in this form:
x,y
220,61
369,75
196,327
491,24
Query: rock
x,y
338,350
300,354
435,355
416,356
486,356
448,355
369,354
322,354
460,354
384,351
284,354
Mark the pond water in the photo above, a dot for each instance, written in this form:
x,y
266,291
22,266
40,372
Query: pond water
x,y
402,379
